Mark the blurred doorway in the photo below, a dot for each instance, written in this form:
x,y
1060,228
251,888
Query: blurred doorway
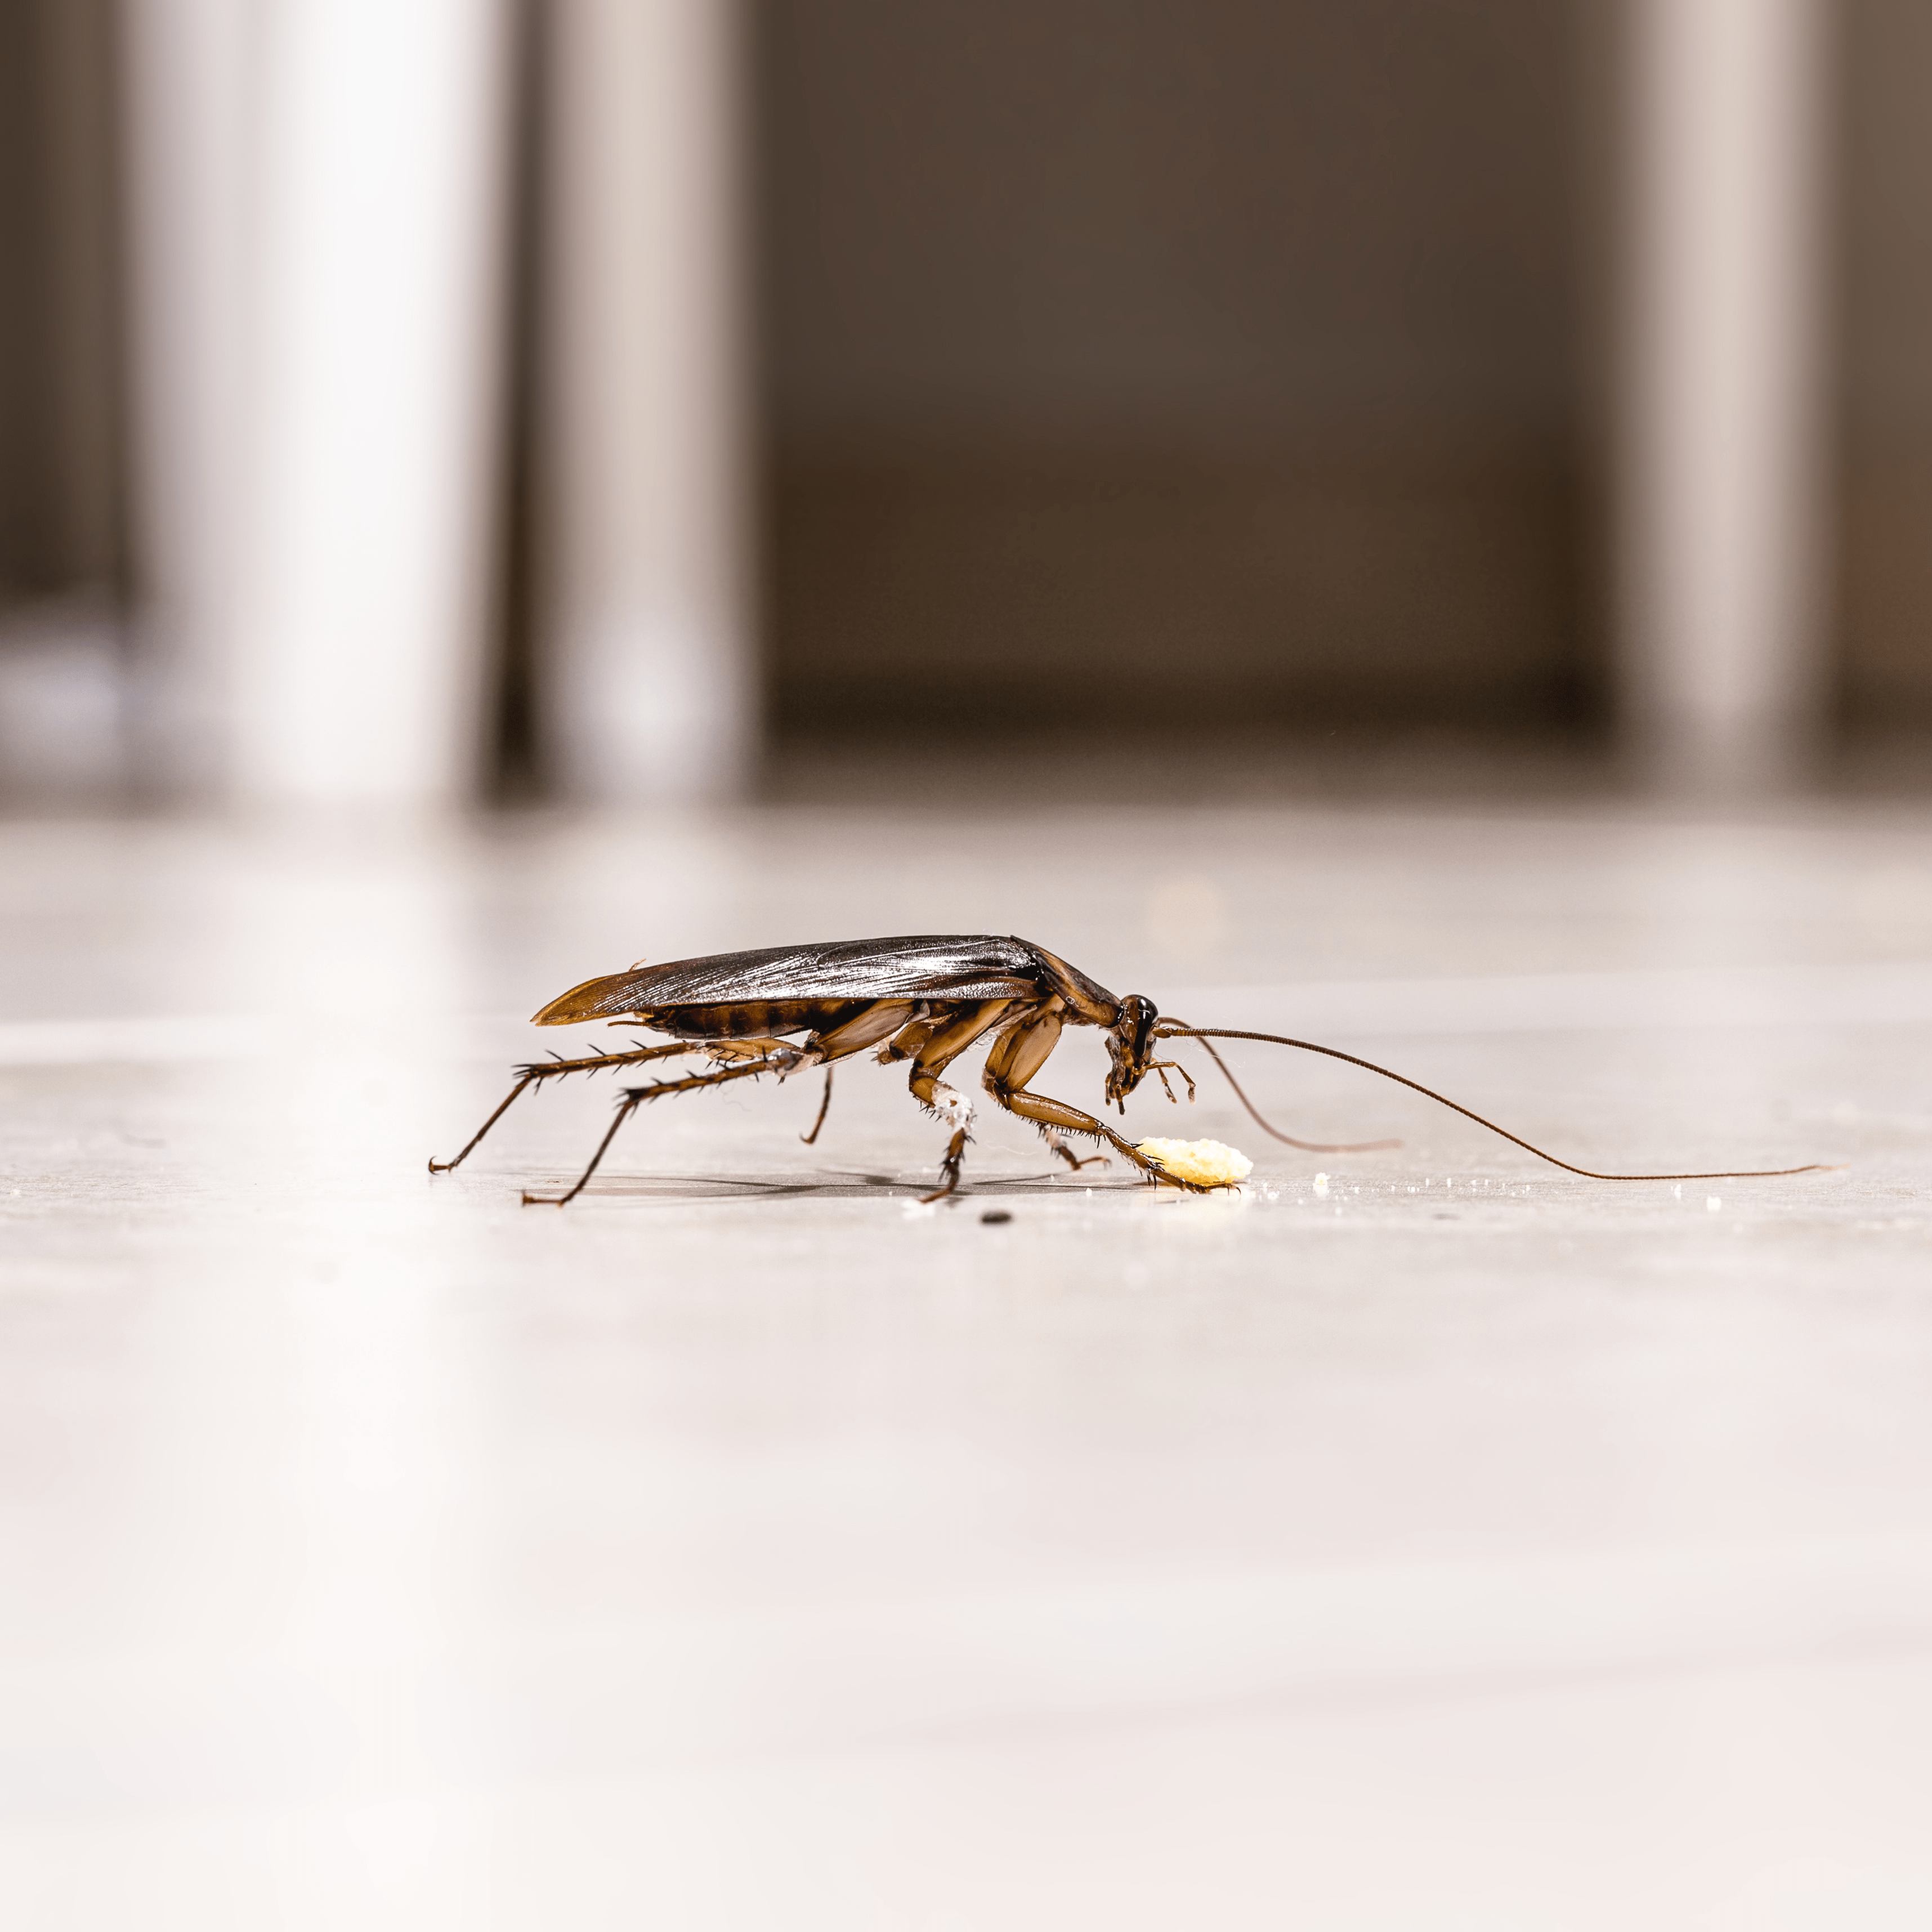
x,y
1208,365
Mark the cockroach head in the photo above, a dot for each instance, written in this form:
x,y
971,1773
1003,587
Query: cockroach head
x,y
1130,1045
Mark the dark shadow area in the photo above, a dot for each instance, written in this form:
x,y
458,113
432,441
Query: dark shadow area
x,y
1172,369
516,585
62,452
822,1186
1883,219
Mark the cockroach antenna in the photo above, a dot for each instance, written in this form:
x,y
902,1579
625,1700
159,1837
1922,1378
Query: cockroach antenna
x,y
1173,1030
1266,1126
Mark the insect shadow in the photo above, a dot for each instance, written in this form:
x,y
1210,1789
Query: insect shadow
x,y
834,1186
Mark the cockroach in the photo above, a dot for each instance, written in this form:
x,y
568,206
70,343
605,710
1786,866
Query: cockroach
x,y
783,1009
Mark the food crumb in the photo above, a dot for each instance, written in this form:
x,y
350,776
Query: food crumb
x,y
993,1216
1211,1163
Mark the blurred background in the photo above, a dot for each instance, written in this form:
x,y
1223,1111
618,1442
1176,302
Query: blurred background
x,y
431,401
490,489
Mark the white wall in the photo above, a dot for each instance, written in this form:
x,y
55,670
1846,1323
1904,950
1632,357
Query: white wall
x,y
317,188
1721,490
645,675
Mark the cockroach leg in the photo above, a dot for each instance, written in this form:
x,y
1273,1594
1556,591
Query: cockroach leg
x,y
634,1097
936,1052
908,1041
949,1169
551,1069
1046,1112
824,1108
626,1107
503,1107
1018,1053
1163,1068
1057,1143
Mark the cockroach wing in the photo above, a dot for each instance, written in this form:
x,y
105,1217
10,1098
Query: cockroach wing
x,y
976,967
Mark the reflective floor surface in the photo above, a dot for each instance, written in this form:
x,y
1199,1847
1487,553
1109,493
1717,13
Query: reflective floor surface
x,y
1426,1538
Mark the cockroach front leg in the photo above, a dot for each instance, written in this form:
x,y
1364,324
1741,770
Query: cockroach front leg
x,y
1014,1062
1164,1068
1020,1052
551,1069
1045,1112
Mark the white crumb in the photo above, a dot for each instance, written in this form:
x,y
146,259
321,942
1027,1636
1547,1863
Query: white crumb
x,y
1210,1163
1322,1183
951,1106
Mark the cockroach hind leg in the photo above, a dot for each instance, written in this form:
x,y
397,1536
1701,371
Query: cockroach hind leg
x,y
634,1097
557,1067
444,1166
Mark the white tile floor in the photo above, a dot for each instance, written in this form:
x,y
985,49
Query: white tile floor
x,y
1468,1545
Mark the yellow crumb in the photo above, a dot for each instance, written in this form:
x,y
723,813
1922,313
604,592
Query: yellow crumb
x,y
1206,1162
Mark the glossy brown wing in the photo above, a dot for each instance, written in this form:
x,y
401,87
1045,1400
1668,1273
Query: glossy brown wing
x,y
979,967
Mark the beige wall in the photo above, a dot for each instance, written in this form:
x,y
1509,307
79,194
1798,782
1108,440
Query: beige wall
x,y
1235,339
1886,360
